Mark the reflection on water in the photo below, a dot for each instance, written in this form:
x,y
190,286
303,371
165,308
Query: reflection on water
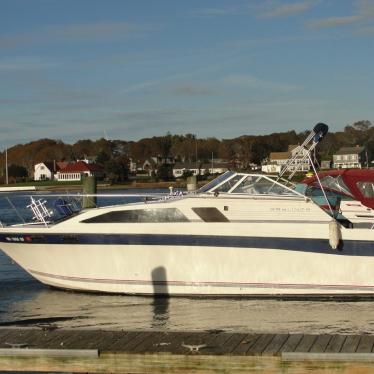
x,y
22,298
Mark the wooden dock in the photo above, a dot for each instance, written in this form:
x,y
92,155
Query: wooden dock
x,y
97,351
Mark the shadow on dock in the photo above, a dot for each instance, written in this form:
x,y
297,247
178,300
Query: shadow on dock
x,y
160,302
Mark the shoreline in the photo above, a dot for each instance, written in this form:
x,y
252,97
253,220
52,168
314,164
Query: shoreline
x,y
124,186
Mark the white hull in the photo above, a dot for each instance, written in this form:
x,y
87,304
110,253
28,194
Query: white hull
x,y
198,270
269,241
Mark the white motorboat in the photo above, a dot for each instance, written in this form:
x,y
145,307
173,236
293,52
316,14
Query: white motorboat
x,y
241,234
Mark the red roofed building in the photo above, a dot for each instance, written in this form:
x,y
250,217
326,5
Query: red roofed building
x,y
76,170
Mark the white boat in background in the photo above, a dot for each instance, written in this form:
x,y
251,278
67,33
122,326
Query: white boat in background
x,y
241,234
17,188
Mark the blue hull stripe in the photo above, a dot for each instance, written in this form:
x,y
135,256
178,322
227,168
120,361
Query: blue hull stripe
x,y
346,248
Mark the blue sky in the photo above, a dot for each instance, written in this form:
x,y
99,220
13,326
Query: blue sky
x,y
75,69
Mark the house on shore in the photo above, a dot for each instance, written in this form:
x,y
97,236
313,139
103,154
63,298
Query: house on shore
x,y
277,160
75,171
350,157
47,170
199,168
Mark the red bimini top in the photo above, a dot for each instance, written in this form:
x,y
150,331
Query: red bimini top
x,y
359,183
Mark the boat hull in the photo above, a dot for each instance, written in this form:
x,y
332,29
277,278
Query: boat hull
x,y
198,265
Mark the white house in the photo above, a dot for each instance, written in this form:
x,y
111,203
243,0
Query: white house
x,y
44,171
181,167
278,159
350,157
214,168
199,169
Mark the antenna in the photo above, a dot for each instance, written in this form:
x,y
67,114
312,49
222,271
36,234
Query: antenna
x,y
304,150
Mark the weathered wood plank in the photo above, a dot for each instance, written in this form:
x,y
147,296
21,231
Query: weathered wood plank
x,y
245,344
275,345
147,344
205,343
366,344
72,339
263,341
233,342
59,338
170,342
110,339
99,340
3,335
131,344
351,343
216,344
118,345
10,336
320,343
291,343
306,343
335,344
25,337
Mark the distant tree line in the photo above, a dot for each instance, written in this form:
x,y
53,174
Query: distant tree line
x,y
115,155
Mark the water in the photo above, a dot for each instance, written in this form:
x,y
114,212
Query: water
x,y
27,302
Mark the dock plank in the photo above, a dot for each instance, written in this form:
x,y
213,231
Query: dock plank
x,y
261,344
275,345
147,344
57,339
208,343
131,344
291,343
320,343
351,343
247,342
306,343
233,342
170,342
25,337
119,344
335,344
216,344
9,336
366,344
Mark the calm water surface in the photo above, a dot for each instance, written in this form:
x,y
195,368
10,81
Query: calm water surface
x,y
26,302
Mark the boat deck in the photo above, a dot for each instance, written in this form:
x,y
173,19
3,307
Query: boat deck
x,y
145,351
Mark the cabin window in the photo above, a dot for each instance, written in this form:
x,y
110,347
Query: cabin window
x,y
210,214
139,216
367,189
